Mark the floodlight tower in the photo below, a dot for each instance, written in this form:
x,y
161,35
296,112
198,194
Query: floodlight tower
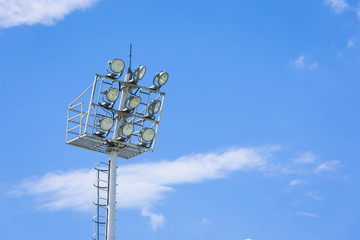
x,y
124,128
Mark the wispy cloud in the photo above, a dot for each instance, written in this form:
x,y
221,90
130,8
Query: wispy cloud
x,y
354,42
306,157
315,195
205,220
304,164
141,186
296,182
357,10
26,12
339,6
60,190
327,166
300,64
308,214
156,220
350,43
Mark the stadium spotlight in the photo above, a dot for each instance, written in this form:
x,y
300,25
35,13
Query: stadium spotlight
x,y
153,108
112,94
147,135
138,74
133,102
106,123
116,67
161,78
126,129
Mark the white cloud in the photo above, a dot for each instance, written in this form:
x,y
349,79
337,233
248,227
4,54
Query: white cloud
x,y
357,10
29,12
156,220
307,214
59,190
140,186
315,195
206,220
303,164
296,182
327,166
339,6
306,157
354,42
297,202
300,64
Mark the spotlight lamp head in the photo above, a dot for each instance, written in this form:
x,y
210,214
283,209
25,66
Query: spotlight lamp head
x,y
116,66
154,107
127,129
133,102
139,72
112,94
147,135
160,79
106,123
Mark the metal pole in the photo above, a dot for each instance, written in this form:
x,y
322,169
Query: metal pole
x,y
111,207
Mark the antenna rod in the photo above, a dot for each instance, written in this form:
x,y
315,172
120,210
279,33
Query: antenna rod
x,y
129,70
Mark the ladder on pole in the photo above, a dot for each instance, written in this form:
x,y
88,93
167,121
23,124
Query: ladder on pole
x,y
100,201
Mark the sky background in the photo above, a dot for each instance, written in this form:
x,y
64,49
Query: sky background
x,y
259,136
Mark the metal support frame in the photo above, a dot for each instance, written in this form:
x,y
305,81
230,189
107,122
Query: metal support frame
x,y
82,124
83,131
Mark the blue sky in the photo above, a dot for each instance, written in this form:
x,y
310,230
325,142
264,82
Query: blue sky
x,y
259,136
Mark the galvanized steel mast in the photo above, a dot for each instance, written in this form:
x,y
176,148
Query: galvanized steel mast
x,y
134,125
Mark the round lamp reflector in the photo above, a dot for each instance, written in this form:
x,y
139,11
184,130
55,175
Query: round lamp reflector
x,y
155,107
127,129
162,78
140,72
134,101
148,135
106,123
117,65
112,94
